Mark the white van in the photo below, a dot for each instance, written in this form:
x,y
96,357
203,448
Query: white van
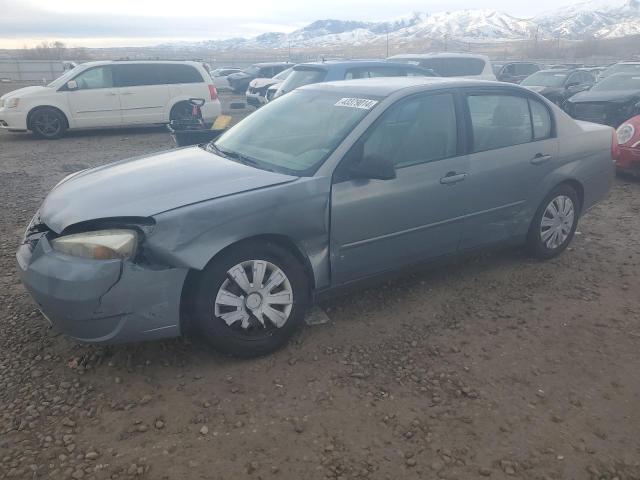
x,y
110,94
446,64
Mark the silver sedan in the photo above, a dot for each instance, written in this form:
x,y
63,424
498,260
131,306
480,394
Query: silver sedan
x,y
330,185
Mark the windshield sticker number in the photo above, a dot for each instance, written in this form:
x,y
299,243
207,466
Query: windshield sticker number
x,y
363,103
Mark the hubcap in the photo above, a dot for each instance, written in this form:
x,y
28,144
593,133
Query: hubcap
x,y
47,124
557,222
255,294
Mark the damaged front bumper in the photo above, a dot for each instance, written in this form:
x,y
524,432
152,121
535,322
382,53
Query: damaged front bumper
x,y
102,301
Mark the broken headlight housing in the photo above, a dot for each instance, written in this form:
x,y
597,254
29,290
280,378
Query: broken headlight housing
x,y
98,245
625,133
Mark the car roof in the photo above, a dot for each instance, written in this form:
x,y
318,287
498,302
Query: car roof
x,y
128,62
385,86
360,63
558,70
270,64
440,55
508,62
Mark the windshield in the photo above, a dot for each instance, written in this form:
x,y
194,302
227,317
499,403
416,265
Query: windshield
x,y
61,80
283,74
296,133
544,79
618,82
621,68
253,70
303,76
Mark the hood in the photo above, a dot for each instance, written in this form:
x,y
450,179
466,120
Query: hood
x,y
264,82
145,186
21,92
618,96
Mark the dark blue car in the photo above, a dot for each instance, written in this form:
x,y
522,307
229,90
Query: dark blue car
x,y
317,72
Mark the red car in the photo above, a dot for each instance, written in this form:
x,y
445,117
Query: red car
x,y
627,153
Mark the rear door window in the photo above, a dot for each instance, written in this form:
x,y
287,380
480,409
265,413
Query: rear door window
x,y
135,75
499,121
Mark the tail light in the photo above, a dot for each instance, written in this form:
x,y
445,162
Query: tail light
x,y
615,147
213,92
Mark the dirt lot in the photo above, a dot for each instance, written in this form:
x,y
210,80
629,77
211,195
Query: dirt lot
x,y
498,367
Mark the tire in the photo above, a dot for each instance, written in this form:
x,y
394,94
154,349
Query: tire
x,y
550,240
181,111
48,123
236,330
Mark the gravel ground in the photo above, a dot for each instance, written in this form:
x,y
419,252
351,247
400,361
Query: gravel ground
x,y
496,366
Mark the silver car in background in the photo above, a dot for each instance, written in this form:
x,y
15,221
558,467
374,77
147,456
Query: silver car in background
x,y
329,185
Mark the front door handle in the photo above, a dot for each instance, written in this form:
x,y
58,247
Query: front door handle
x,y
453,177
110,94
540,158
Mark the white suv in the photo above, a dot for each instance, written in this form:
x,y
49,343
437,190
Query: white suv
x,y
110,94
449,64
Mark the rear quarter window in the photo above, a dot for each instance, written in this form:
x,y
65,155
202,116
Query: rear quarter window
x,y
181,74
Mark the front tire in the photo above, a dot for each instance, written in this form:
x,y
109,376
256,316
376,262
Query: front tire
x,y
554,223
48,123
251,300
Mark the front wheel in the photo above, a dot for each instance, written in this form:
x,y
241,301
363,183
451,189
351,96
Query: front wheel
x,y
555,223
250,301
48,123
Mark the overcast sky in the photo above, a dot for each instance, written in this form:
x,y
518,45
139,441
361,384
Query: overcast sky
x,y
96,23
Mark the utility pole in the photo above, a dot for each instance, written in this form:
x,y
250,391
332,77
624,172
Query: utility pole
x,y
289,50
387,42
446,41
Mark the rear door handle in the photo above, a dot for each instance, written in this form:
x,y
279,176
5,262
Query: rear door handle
x,y
126,93
110,94
540,158
453,177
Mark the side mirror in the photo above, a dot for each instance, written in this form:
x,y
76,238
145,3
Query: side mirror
x,y
374,167
72,85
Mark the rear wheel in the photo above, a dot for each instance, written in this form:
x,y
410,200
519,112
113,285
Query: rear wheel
x,y
48,123
555,223
250,301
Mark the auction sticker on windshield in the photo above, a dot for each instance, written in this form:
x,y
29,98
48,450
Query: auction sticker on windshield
x,y
363,103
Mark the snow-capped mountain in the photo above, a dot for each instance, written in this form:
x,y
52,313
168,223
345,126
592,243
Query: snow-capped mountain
x,y
600,19
595,18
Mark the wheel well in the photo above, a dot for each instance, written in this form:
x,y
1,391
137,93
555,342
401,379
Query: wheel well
x,y
40,107
181,102
577,186
280,240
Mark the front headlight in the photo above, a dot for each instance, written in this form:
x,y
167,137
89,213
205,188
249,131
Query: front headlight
x,y
625,133
11,102
98,245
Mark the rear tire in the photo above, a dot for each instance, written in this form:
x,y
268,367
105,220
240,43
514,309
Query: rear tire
x,y
48,123
230,315
554,223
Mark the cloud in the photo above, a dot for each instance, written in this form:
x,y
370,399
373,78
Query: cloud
x,y
143,21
